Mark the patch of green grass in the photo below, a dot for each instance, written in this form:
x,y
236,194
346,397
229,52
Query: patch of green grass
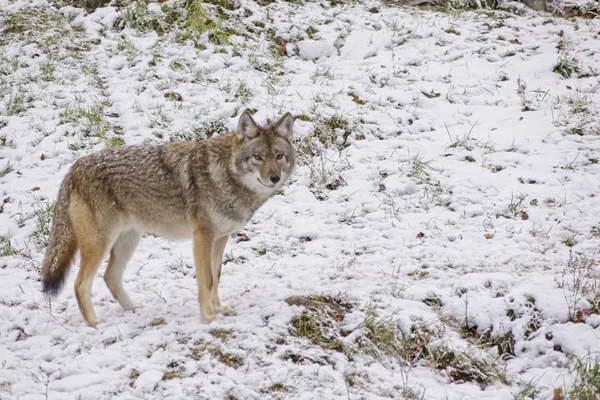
x,y
587,379
47,69
200,21
231,360
114,141
277,387
318,328
243,93
138,17
466,366
126,46
322,73
383,339
201,348
528,391
203,130
44,211
6,247
89,119
133,375
319,323
18,102
334,130
220,333
566,66
8,168
504,344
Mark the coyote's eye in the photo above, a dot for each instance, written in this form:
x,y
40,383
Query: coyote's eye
x,y
279,156
257,157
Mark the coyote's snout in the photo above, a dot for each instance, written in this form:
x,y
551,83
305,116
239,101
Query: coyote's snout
x,y
204,190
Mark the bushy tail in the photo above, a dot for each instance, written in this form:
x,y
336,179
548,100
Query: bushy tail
x,y
61,245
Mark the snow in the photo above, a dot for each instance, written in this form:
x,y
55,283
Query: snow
x,y
449,190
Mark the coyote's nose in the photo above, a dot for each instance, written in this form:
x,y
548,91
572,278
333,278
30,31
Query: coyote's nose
x,y
274,178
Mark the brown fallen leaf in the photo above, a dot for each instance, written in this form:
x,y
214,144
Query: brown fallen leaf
x,y
524,216
382,187
242,237
420,235
357,100
488,236
280,46
557,394
43,157
336,183
514,41
35,189
173,96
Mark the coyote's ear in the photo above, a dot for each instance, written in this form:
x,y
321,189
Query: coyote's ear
x,y
247,128
284,127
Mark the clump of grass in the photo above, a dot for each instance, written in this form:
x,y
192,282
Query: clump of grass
x,y
114,141
18,102
325,168
587,379
89,119
566,65
220,333
382,337
187,19
43,219
334,130
277,387
504,344
231,360
243,93
133,375
138,17
203,130
8,168
420,170
528,390
423,343
6,247
319,323
200,20
318,328
158,321
580,285
201,348
467,366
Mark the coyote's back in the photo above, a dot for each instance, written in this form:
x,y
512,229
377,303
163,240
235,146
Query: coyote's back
x,y
205,190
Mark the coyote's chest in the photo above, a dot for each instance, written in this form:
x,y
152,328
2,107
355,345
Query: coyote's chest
x,y
226,225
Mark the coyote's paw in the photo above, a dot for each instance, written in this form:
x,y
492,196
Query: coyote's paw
x,y
225,310
132,307
207,319
95,322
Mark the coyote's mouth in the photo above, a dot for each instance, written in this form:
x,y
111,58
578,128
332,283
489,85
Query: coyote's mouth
x,y
270,185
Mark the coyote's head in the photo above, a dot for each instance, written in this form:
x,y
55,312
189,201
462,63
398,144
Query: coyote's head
x,y
265,158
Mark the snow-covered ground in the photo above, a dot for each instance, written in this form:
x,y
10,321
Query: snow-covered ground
x,y
449,189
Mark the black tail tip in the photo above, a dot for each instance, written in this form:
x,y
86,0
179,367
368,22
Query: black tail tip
x,y
51,287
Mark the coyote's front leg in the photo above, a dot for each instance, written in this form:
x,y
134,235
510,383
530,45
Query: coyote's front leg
x,y
218,249
203,245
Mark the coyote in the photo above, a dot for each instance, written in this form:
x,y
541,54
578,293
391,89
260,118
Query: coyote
x,y
205,190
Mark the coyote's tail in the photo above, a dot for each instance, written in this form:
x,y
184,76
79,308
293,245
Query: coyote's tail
x,y
61,245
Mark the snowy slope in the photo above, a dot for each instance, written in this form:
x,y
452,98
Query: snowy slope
x,y
449,180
